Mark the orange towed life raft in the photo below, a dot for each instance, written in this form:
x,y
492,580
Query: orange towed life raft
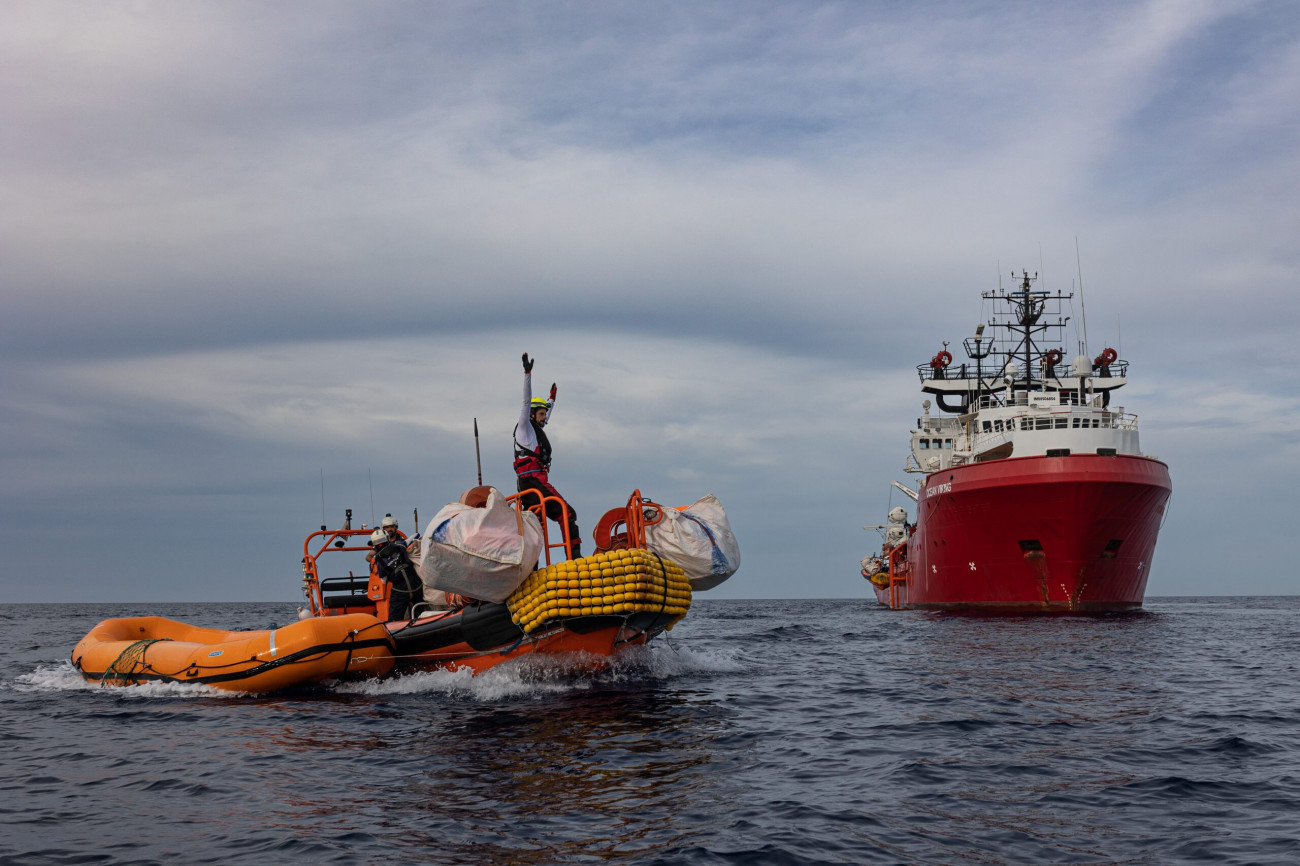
x,y
142,649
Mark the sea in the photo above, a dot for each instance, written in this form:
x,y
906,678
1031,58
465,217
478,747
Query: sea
x,y
756,732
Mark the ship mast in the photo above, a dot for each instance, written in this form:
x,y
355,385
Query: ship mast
x,y
1029,307
1023,320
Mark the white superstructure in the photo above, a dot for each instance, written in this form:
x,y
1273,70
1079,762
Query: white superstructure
x,y
1052,409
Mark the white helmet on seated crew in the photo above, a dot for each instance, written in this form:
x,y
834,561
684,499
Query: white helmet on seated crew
x,y
378,538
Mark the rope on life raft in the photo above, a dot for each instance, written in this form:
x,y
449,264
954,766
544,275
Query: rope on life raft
x,y
121,671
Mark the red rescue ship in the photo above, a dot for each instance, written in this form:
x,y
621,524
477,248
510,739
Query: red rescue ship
x,y
1036,497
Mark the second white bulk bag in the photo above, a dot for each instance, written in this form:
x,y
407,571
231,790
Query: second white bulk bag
x,y
482,553
698,539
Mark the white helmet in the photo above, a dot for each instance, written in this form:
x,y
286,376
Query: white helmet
x,y
378,538
388,521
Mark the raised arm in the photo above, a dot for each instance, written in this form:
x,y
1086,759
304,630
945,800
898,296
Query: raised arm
x,y
524,429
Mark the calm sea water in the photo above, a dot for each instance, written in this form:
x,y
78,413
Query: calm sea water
x,y
763,732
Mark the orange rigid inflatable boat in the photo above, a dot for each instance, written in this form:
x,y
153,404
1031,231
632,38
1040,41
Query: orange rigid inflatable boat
x,y
142,649
590,607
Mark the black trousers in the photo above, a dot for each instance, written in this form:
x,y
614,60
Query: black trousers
x,y
400,602
407,590
553,510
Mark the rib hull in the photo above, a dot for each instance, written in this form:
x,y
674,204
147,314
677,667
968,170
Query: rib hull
x,y
1038,535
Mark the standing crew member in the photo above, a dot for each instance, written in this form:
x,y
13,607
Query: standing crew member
x,y
533,456
393,564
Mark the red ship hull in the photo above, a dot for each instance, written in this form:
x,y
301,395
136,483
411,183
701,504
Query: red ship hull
x,y
1037,535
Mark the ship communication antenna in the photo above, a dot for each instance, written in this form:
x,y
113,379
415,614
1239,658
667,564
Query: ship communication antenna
x,y
1083,311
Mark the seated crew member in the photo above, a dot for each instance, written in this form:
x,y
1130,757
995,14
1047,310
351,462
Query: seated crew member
x,y
533,457
393,564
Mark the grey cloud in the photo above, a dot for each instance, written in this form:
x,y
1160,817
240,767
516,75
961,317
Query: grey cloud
x,y
225,196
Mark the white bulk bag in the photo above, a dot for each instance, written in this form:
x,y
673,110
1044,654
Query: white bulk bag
x,y
698,539
483,553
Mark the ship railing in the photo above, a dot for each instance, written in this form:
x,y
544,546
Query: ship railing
x,y
1062,398
1060,372
939,425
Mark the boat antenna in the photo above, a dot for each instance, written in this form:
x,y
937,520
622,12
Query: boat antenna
x,y
322,499
1083,312
372,496
478,456
1043,283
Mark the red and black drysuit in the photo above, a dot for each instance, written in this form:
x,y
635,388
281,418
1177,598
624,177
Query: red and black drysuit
x,y
533,462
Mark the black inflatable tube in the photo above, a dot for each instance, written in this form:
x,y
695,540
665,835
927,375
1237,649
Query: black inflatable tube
x,y
483,625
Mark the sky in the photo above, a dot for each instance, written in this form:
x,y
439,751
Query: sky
x,y
262,262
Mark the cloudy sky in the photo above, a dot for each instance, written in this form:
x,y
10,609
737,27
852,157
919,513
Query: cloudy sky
x,y
244,246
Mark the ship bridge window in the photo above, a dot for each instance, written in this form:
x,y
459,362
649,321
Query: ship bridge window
x,y
997,425
1074,422
1025,424
947,443
1060,423
1043,424
988,426
924,444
